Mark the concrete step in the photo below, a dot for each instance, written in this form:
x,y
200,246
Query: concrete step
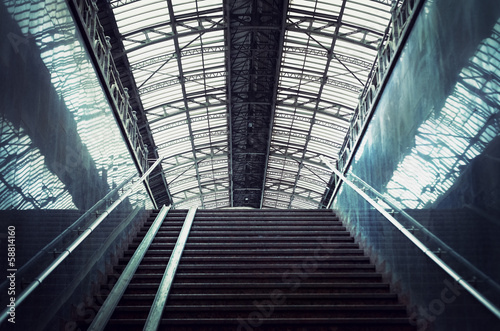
x,y
256,270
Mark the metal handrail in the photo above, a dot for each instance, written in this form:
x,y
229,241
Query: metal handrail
x,y
446,248
47,248
48,270
108,307
459,279
156,311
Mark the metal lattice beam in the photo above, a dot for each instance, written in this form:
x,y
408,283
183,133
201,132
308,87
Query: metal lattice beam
x,y
324,81
181,74
255,34
157,182
292,73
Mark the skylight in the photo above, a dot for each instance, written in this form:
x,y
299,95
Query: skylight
x,y
177,51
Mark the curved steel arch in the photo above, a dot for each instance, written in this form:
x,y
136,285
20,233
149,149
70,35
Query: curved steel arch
x,y
282,95
167,36
180,80
168,57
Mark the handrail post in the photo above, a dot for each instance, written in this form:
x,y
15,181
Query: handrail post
x,y
459,279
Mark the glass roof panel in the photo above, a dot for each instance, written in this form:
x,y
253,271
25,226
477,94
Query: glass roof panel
x,y
327,55
177,53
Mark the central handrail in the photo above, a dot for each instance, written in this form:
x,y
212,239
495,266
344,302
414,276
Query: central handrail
x,y
109,305
459,279
156,311
48,270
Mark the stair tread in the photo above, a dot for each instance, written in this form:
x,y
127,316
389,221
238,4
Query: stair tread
x,y
276,307
247,239
278,274
267,236
271,228
255,258
265,285
264,251
295,320
253,266
187,296
259,244
232,263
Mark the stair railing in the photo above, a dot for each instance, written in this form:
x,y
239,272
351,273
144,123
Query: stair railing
x,y
51,246
442,245
154,317
70,248
156,311
436,259
109,305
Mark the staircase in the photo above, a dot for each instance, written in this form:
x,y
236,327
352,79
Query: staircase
x,y
260,270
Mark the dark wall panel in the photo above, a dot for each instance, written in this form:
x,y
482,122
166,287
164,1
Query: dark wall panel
x,y
432,149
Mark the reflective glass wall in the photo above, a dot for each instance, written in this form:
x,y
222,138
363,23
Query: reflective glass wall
x,y
61,151
432,150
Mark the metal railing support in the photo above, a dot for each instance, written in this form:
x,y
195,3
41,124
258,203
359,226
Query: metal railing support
x,y
154,316
459,279
41,277
398,30
100,51
109,305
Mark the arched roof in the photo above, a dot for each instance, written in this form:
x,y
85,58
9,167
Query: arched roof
x,y
243,97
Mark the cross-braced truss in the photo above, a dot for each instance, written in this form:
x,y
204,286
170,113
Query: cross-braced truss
x,y
242,97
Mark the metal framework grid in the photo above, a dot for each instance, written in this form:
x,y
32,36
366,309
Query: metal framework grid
x,y
242,97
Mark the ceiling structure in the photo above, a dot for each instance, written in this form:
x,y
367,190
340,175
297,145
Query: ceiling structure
x,y
242,97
